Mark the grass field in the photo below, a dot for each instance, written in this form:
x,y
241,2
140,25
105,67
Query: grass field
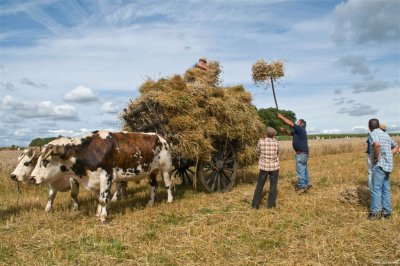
x,y
323,227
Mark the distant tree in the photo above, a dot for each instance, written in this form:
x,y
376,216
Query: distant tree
x,y
269,118
41,142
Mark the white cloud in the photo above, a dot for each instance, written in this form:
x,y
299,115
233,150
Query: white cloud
x,y
111,107
45,109
7,86
358,109
360,129
356,64
332,131
81,94
370,86
365,21
69,132
21,132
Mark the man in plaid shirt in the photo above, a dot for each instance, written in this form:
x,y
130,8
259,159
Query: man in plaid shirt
x,y
267,149
383,148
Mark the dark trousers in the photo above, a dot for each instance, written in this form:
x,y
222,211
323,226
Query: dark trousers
x,y
273,184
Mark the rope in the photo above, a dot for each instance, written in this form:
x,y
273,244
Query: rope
x,y
18,192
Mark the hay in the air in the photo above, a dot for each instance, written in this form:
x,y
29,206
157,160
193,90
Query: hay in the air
x,y
195,113
262,71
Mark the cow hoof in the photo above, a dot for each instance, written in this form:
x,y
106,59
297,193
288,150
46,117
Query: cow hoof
x,y
104,221
75,208
150,204
47,209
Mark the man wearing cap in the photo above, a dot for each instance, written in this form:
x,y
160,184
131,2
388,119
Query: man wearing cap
x,y
202,64
300,146
267,149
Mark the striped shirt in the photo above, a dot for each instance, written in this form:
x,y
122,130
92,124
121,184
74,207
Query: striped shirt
x,y
268,150
387,144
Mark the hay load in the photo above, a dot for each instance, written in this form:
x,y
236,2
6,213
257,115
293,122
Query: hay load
x,y
194,112
263,72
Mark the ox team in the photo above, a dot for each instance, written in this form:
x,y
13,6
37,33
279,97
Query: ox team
x,y
100,158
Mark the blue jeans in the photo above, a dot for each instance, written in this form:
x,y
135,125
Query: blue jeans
x,y
273,184
302,170
380,191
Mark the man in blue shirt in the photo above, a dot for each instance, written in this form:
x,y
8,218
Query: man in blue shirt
x,y
382,149
300,146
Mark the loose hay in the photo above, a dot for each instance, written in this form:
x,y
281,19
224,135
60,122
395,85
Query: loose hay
x,y
355,195
196,113
262,71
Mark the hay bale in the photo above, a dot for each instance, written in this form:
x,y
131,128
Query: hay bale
x,y
199,113
262,71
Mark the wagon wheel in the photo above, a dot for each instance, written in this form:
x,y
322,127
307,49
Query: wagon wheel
x,y
219,173
182,170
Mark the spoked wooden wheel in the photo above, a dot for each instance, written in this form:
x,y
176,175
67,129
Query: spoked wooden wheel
x,y
219,174
182,170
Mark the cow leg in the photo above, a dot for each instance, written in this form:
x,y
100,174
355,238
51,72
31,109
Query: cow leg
x,y
74,193
120,191
52,195
167,182
153,185
105,190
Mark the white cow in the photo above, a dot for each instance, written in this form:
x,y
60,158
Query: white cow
x,y
27,162
102,157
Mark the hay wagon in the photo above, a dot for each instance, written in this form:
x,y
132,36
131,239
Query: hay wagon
x,y
217,174
212,128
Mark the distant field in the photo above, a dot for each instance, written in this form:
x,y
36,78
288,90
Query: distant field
x,y
326,226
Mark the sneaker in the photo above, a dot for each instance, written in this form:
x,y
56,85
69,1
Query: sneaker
x,y
387,215
309,186
374,216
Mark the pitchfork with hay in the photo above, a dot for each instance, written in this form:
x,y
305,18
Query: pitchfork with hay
x,y
264,72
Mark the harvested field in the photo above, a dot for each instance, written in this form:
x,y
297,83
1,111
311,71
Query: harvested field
x,y
320,227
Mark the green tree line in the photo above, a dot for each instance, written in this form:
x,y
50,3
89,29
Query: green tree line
x,y
269,118
41,141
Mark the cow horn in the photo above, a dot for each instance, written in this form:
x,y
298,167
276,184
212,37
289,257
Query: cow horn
x,y
47,154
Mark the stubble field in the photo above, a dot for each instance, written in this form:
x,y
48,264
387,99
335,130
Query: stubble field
x,y
326,226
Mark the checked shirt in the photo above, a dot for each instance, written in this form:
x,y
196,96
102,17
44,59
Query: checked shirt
x,y
268,150
387,144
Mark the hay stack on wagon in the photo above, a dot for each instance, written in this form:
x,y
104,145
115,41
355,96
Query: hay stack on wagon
x,y
194,112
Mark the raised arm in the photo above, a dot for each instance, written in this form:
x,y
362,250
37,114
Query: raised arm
x,y
285,120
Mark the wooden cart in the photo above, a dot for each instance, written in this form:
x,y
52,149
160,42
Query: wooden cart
x,y
216,175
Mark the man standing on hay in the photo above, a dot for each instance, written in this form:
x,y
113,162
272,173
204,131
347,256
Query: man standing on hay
x,y
268,150
383,148
202,64
300,146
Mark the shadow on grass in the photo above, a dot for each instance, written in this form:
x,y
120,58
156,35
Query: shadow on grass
x,y
16,210
364,196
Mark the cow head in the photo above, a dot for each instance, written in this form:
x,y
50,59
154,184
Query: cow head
x,y
26,162
52,164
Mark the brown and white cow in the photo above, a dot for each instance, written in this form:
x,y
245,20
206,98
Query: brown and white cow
x,y
27,162
102,157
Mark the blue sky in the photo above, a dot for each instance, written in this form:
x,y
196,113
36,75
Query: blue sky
x,y
67,67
